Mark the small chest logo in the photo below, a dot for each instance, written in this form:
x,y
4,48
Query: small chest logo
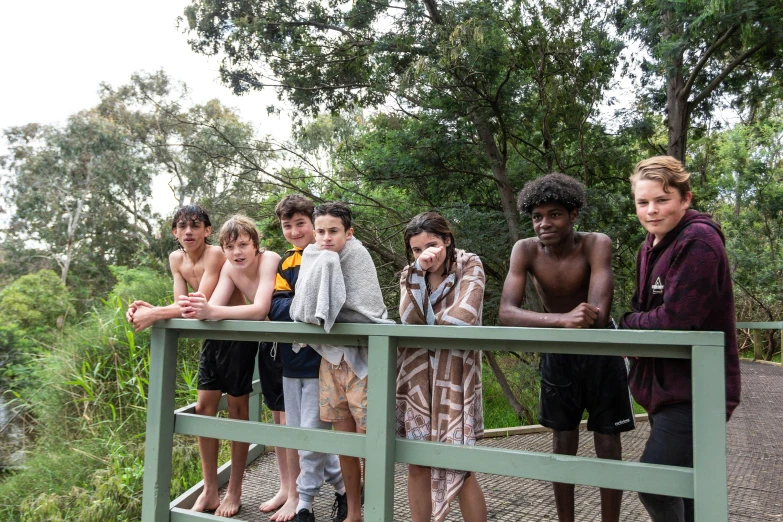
x,y
657,287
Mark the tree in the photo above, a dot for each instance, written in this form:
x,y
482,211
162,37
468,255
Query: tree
x,y
745,192
195,146
507,76
74,188
36,302
487,94
703,51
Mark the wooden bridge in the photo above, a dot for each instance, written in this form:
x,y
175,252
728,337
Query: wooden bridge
x,y
754,454
514,471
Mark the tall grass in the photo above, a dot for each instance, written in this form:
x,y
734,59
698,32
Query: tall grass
x,y
89,402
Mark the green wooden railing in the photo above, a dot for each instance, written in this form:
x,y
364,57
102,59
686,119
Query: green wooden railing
x,y
705,482
755,333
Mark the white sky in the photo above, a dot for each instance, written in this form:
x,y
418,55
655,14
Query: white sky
x,y
55,53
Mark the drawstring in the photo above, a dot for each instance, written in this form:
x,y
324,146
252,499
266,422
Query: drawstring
x,y
273,351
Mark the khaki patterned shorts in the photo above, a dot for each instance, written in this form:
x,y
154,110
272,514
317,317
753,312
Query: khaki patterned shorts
x,y
342,394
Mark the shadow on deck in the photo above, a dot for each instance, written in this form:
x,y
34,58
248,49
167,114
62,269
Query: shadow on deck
x,y
755,468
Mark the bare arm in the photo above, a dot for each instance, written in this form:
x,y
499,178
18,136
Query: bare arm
x,y
216,308
196,305
601,278
145,314
213,266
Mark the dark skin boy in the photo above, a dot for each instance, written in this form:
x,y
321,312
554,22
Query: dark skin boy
x,y
572,274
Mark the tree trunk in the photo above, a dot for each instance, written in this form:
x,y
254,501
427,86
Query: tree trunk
x,y
524,413
498,165
677,109
679,114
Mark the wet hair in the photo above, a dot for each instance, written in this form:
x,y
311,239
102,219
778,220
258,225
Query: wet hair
x,y
236,226
191,213
437,225
336,209
294,204
552,188
666,169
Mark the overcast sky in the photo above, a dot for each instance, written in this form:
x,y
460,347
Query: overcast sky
x,y
55,53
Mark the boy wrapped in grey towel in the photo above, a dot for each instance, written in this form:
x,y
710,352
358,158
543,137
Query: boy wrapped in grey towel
x,y
338,283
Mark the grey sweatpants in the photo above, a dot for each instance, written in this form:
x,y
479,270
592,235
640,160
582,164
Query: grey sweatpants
x,y
301,410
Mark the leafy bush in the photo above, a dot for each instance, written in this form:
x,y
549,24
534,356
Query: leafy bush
x,y
36,303
90,399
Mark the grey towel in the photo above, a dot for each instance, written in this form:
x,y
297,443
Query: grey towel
x,y
340,288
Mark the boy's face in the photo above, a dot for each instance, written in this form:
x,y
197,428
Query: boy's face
x,y
191,233
330,234
553,223
241,252
298,230
659,211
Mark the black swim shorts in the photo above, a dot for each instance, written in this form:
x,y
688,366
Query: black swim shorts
x,y
571,384
227,366
270,370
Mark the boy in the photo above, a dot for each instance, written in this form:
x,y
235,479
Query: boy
x,y
300,376
572,274
250,271
340,262
195,263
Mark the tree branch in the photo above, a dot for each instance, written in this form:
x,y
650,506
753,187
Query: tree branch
x,y
730,67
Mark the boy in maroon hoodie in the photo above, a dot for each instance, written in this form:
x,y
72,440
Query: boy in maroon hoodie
x,y
683,282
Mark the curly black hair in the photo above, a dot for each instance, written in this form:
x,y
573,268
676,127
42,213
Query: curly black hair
x,y
552,188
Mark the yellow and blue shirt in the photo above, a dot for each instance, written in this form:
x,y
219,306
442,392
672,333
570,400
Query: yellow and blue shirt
x,y
305,363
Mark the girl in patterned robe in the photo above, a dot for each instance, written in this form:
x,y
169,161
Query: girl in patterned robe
x,y
439,391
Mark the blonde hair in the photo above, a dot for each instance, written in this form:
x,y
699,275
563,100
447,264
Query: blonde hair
x,y
236,226
665,169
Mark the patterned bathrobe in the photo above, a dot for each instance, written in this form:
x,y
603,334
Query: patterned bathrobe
x,y
439,391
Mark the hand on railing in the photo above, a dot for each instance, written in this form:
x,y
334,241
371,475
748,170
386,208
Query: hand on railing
x,y
194,306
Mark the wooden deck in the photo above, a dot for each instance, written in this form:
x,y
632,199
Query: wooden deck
x,y
755,468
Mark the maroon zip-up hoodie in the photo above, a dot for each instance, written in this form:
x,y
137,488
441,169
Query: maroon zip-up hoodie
x,y
683,283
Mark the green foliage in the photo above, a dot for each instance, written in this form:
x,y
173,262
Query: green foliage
x,y
522,375
88,396
36,302
141,284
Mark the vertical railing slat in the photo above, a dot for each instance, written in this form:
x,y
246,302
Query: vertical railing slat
x,y
256,406
160,425
709,434
379,479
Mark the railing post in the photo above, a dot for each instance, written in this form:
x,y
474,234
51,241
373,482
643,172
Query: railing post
x,y
160,425
256,407
379,477
709,434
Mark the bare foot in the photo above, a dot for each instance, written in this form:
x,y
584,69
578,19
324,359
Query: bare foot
x,y
288,511
230,505
206,502
274,502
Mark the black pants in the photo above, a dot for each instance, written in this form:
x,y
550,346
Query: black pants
x,y
670,443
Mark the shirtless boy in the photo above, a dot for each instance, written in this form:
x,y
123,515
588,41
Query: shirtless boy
x,y
195,264
572,274
251,272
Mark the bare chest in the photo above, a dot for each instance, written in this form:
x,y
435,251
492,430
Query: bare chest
x,y
192,273
247,285
561,283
